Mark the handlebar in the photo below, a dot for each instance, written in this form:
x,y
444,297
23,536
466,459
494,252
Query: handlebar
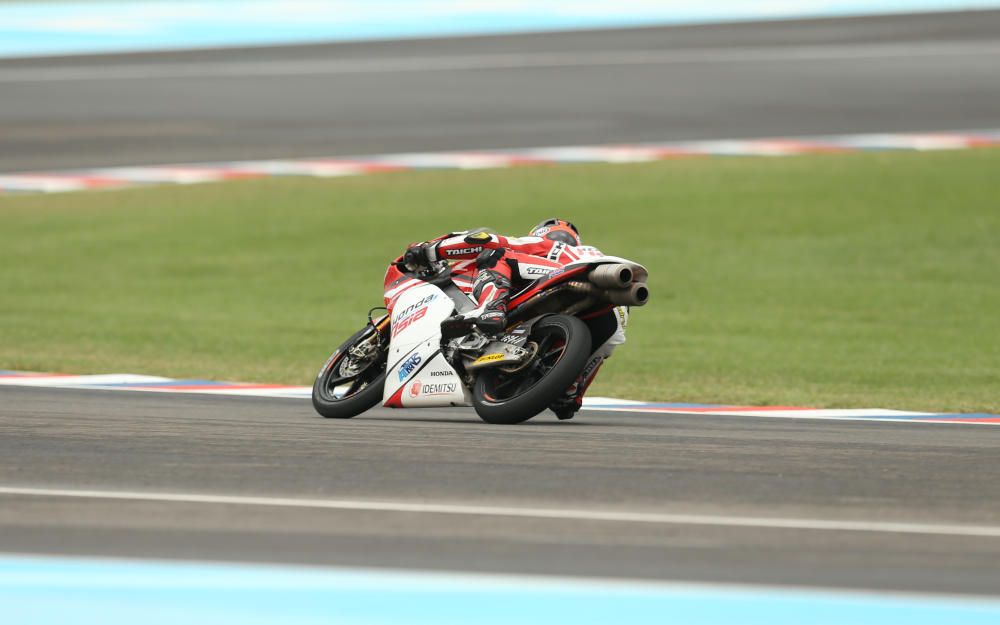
x,y
435,269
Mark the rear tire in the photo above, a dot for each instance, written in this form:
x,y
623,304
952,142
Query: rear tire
x,y
370,381
507,399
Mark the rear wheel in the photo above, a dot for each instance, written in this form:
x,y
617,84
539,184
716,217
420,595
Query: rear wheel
x,y
352,379
507,397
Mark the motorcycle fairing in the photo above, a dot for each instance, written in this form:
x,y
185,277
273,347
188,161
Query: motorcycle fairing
x,y
573,270
418,375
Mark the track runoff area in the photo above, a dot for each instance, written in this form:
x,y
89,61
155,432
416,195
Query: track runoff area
x,y
158,384
84,591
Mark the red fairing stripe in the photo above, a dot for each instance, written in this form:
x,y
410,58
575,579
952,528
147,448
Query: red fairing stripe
x,y
396,401
556,279
393,276
390,302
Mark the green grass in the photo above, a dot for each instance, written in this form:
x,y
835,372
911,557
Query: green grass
x,y
835,280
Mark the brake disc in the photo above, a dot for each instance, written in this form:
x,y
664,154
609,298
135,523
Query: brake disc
x,y
358,358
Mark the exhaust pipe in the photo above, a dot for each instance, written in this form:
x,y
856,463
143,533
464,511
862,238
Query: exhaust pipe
x,y
616,276
635,295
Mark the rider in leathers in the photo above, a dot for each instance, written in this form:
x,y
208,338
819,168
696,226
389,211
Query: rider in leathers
x,y
502,261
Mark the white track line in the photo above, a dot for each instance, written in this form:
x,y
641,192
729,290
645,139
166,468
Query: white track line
x,y
498,61
568,514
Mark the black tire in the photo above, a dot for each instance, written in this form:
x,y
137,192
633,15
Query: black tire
x,y
370,381
529,392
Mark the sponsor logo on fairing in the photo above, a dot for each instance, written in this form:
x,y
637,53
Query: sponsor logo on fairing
x,y
410,314
419,388
412,307
464,250
400,326
556,251
439,389
538,271
441,374
555,272
407,367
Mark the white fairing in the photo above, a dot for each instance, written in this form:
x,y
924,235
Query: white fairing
x,y
416,366
640,272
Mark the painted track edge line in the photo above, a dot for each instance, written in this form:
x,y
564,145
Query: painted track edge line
x,y
156,384
112,178
661,518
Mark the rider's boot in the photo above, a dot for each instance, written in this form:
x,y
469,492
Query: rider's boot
x,y
569,404
493,320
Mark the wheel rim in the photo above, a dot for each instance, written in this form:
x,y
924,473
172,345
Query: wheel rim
x,y
501,387
345,377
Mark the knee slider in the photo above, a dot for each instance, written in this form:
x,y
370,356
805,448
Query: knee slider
x,y
488,259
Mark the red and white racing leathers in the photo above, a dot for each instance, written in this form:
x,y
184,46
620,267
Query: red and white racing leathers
x,y
502,262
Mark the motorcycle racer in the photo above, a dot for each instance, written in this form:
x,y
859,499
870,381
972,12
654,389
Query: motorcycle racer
x,y
502,262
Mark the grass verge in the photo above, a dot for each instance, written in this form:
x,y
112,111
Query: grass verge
x,y
832,280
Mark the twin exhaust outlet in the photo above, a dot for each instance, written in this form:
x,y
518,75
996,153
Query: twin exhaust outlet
x,y
625,285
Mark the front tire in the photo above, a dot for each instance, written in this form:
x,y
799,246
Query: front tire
x,y
343,389
506,398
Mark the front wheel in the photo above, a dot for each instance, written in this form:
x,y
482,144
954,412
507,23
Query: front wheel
x,y
505,397
352,379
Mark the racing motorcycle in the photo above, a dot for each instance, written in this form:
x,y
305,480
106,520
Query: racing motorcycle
x,y
400,358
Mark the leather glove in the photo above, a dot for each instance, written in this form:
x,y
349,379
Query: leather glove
x,y
417,257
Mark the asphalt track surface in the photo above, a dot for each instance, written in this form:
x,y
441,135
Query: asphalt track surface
x,y
897,73
601,463
872,74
